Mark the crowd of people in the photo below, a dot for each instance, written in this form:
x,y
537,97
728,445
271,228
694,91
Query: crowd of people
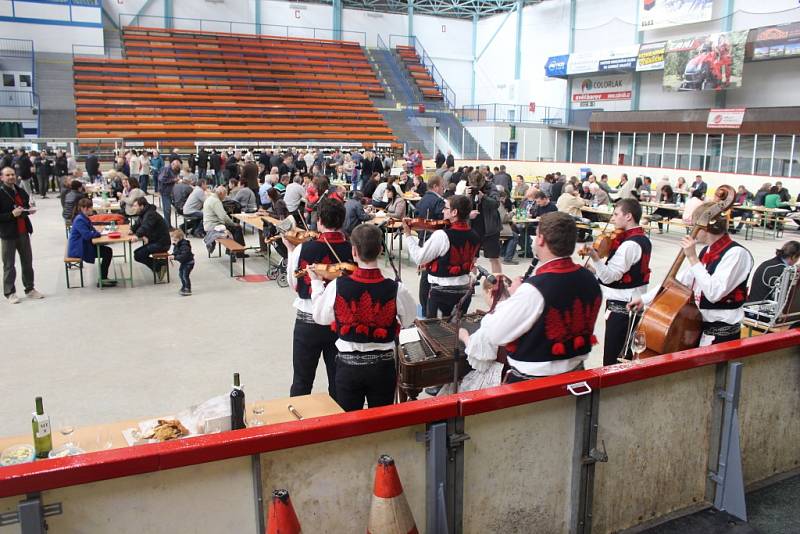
x,y
553,308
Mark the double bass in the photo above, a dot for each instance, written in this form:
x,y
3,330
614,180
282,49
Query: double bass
x,y
673,322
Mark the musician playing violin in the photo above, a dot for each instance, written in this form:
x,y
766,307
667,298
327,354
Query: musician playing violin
x,y
430,206
366,311
623,275
310,338
718,277
448,257
547,325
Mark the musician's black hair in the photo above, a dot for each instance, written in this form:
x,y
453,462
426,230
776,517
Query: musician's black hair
x,y
331,213
790,249
461,205
632,206
368,241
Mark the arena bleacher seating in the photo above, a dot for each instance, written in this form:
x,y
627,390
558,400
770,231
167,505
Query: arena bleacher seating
x,y
180,86
418,72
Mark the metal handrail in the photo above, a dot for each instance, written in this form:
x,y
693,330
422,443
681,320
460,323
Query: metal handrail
x,y
447,92
381,43
493,112
107,52
244,27
10,47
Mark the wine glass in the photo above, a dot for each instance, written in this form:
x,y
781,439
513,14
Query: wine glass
x,y
638,345
66,428
257,410
104,439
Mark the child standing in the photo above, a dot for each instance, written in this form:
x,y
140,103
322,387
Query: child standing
x,y
182,251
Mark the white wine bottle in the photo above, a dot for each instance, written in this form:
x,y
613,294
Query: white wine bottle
x,y
42,438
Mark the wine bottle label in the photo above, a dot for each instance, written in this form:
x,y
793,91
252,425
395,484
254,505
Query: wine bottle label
x,y
42,428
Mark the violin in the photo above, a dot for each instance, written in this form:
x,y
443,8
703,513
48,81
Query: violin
x,y
419,224
327,271
295,236
602,243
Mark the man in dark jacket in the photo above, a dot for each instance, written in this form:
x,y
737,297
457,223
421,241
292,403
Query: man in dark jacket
x,y
202,164
15,230
92,165
169,175
486,217
215,162
450,161
24,168
153,230
440,159
70,202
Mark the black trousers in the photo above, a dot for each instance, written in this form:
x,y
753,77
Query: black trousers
x,y
105,260
424,289
616,330
311,339
43,182
142,255
374,382
443,301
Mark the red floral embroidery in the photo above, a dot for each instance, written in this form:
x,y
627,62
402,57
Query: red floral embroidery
x,y
573,325
365,316
462,259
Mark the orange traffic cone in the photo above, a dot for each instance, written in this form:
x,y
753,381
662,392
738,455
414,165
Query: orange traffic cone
x,y
281,518
389,513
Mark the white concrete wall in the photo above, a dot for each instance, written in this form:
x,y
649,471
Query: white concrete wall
x,y
47,38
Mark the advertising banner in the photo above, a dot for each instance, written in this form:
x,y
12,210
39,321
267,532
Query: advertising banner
x,y
774,42
651,56
665,13
556,66
588,90
725,118
621,59
708,63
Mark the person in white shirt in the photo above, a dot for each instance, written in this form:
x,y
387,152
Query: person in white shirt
x,y
366,311
623,275
448,257
718,277
547,324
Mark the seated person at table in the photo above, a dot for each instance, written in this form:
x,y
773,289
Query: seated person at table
x,y
354,212
71,199
766,275
181,191
193,210
519,187
448,257
243,195
80,241
216,222
547,325
509,237
153,231
692,204
666,197
395,205
130,192
365,336
541,206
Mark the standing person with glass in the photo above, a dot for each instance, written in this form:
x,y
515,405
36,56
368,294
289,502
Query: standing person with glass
x,y
167,178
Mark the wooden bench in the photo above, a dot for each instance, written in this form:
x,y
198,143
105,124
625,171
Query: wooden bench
x,y
160,256
73,264
233,248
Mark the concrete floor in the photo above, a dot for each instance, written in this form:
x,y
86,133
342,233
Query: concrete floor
x,y
101,356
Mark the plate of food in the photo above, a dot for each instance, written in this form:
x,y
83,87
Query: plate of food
x,y
17,454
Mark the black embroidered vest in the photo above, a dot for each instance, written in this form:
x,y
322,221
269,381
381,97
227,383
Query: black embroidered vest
x,y
565,329
318,252
365,310
460,258
639,273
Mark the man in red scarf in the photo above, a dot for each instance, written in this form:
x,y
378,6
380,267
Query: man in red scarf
x,y
15,230
623,275
718,276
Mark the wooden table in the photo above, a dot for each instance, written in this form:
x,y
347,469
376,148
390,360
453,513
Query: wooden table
x,y
601,212
275,411
127,239
112,206
767,215
256,221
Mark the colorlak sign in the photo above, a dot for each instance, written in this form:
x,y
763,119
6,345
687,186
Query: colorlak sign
x,y
601,88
